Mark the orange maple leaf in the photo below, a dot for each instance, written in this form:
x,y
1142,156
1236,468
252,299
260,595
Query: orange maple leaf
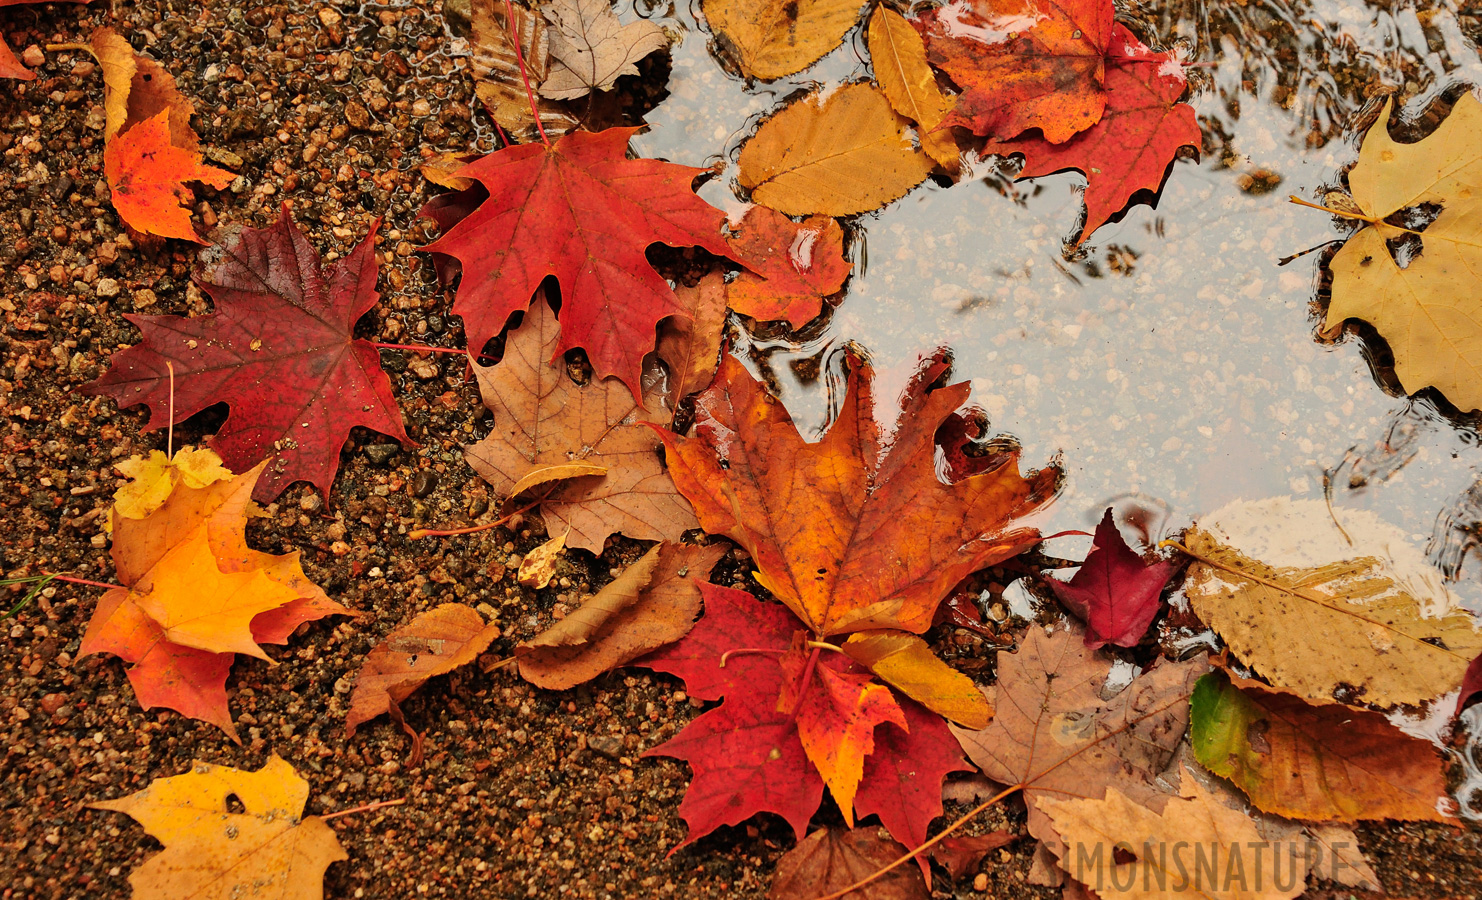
x,y
856,531
147,175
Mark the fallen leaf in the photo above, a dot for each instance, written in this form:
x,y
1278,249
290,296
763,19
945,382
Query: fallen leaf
x,y
147,179
269,849
963,855
544,418
840,154
898,55
1193,823
1114,592
836,714
1023,64
496,70
591,48
854,531
442,170
539,565
116,58
279,350
1131,147
153,479
652,603
906,663
194,595
1427,310
792,266
831,859
137,89
433,643
545,475
1054,733
10,66
1343,860
1313,608
689,345
772,38
1315,762
586,215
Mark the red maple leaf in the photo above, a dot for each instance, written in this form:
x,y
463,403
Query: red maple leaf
x,y
1471,684
579,210
748,757
1132,145
279,350
1115,592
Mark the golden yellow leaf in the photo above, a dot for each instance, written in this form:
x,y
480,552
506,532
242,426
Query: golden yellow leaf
x,y
906,662
211,853
899,57
548,474
1371,616
1119,848
838,156
116,59
772,38
1430,311
539,565
155,476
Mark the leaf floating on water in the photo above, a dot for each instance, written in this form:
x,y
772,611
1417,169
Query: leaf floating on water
x,y
790,266
773,38
898,56
1114,591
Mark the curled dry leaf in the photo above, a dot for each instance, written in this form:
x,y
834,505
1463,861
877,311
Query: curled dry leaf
x,y
772,38
898,56
539,565
652,603
790,266
433,643
1315,762
1314,608
279,350
147,177
270,849
830,859
844,154
591,48
906,663
544,419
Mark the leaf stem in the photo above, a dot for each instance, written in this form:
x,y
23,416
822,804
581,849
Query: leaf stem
x,y
726,656
379,804
419,533
170,419
415,348
514,39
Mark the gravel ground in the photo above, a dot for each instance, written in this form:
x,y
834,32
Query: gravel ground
x,y
523,792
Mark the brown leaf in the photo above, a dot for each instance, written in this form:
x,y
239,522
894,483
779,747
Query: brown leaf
x,y
653,603
496,70
834,858
690,348
543,418
539,565
547,474
434,643
962,855
136,88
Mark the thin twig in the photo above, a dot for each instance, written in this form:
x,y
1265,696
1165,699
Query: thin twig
x,y
419,533
379,804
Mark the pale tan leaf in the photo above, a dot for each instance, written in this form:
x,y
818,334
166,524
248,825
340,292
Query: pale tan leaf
x,y
496,68
591,48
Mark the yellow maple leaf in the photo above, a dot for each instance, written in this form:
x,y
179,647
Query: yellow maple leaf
x,y
212,853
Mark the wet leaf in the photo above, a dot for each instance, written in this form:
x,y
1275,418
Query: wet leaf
x,y
433,643
1313,608
1023,64
1342,859
906,663
589,213
147,176
790,266
1471,684
269,850
195,595
1114,592
1095,828
1055,733
542,418
279,350
898,55
1315,762
840,155
539,565
1131,147
137,89
962,856
772,38
652,603
496,70
153,479
855,531
830,859
689,345
1427,310
591,48
442,170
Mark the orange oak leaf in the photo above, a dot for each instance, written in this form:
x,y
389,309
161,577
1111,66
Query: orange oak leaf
x,y
147,176
1023,64
195,595
794,266
855,531
544,418
1131,147
581,211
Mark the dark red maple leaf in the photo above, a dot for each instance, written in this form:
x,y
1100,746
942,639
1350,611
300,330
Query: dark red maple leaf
x,y
1134,142
581,211
279,351
1471,684
1114,591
